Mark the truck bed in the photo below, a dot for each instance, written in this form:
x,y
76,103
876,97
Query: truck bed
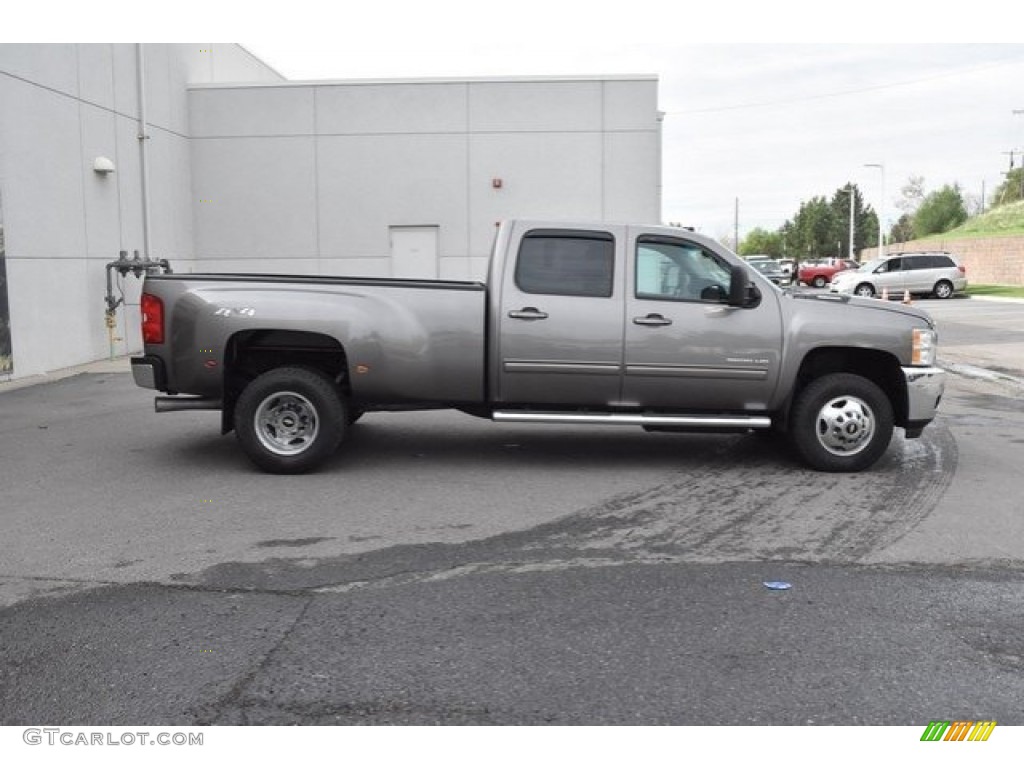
x,y
405,341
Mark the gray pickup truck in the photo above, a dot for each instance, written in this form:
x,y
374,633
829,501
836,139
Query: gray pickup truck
x,y
649,326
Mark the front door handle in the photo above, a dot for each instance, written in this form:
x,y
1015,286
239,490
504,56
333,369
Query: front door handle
x,y
652,319
528,313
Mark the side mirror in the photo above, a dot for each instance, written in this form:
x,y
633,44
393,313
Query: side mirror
x,y
738,282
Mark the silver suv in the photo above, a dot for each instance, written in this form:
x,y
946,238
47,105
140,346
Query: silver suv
x,y
937,273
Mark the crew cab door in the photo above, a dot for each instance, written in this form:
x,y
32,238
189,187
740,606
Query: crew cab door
x,y
686,348
559,338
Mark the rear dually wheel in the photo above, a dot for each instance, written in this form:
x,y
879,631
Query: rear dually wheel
x,y
290,420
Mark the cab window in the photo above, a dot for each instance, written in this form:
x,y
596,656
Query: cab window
x,y
566,263
680,271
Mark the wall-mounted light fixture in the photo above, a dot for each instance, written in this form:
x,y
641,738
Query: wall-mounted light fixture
x,y
103,165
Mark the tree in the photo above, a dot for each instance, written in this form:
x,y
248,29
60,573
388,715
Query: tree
x,y
973,204
911,195
865,220
902,230
1010,190
940,211
760,240
812,229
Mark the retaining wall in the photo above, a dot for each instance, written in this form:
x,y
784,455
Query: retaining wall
x,y
989,260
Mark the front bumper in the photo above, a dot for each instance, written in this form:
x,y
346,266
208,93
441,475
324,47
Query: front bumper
x,y
924,391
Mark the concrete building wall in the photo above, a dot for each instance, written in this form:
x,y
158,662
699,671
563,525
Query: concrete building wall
x,y
248,172
61,106
314,177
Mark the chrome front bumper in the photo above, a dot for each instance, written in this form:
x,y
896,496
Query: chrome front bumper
x,y
924,391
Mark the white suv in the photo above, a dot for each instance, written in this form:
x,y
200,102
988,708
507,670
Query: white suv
x,y
937,273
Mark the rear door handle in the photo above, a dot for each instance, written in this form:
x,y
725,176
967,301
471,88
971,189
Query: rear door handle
x,y
652,319
528,313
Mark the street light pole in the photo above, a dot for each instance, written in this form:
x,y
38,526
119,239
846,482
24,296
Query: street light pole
x,y
881,210
850,188
1020,112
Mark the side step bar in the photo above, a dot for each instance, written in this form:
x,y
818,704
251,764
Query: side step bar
x,y
634,419
168,404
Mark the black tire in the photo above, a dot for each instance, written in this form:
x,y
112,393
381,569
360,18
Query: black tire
x,y
943,290
841,422
865,289
819,281
290,420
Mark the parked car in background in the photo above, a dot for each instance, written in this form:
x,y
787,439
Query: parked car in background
x,y
772,270
820,273
787,265
937,273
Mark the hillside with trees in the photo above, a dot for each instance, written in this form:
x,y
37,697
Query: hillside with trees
x,y
821,226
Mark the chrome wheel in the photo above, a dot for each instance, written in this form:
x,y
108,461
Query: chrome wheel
x,y
865,290
286,423
290,420
845,426
841,422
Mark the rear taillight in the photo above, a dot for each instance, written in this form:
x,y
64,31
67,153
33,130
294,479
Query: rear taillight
x,y
152,319
963,269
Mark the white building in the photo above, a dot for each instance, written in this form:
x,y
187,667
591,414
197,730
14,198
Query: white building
x,y
242,170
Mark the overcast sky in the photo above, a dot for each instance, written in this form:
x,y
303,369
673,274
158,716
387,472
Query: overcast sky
x,y
770,124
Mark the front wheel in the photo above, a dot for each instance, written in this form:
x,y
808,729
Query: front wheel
x,y
865,289
819,281
841,422
289,420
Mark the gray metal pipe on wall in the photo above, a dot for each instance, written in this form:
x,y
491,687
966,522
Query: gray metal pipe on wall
x,y
143,148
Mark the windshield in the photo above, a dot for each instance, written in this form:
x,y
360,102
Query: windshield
x,y
870,266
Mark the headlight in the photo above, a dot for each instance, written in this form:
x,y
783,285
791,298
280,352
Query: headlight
x,y
924,343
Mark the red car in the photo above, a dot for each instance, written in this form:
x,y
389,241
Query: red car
x,y
819,273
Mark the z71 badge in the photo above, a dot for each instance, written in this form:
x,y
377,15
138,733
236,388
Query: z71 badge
x,y
230,311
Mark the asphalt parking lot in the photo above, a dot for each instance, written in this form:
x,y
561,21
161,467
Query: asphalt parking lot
x,y
443,569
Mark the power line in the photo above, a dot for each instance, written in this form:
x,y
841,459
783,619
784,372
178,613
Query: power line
x,y
836,94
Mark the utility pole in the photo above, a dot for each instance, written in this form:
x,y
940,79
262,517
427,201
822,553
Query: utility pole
x,y
1019,112
1012,153
736,226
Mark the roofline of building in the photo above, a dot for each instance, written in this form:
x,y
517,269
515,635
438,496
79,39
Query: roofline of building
x,y
430,81
256,58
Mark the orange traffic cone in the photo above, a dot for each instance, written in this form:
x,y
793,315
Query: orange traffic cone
x,y
906,297
885,294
